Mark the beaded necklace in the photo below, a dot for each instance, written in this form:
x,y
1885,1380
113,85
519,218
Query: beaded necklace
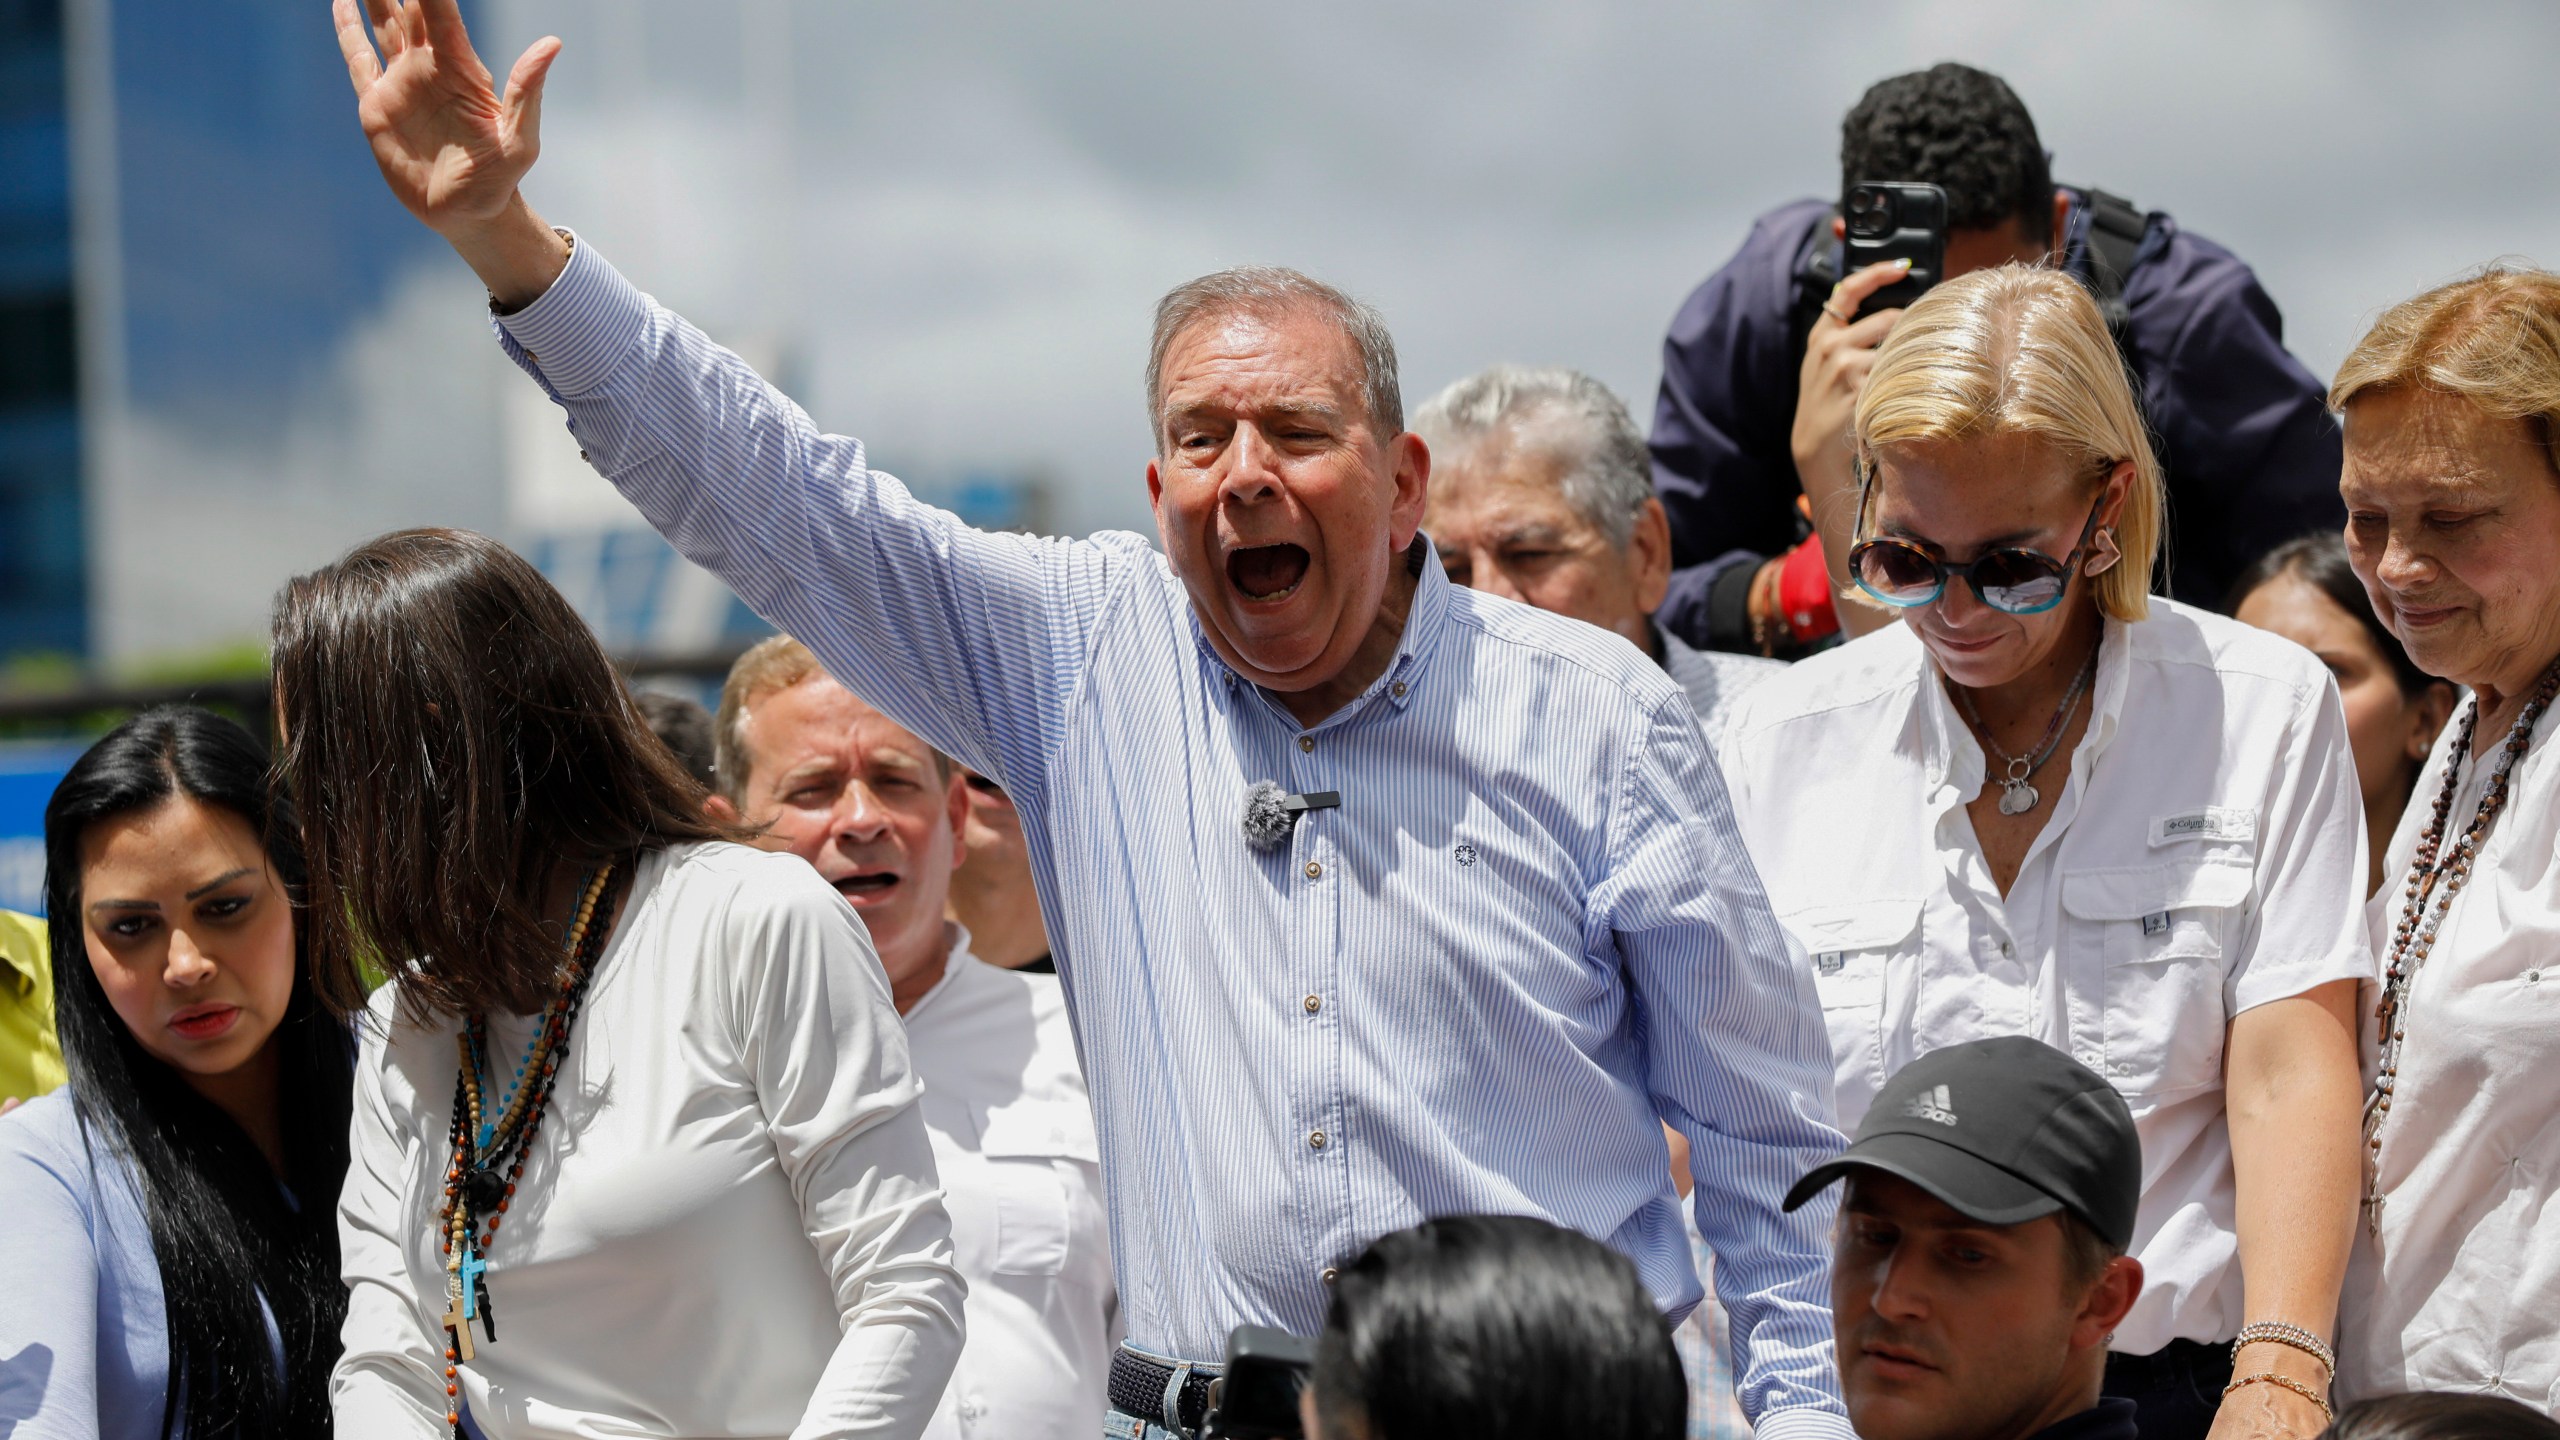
x,y
2433,882
475,1192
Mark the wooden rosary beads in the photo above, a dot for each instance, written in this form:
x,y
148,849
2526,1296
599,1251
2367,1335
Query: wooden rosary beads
x,y
476,1194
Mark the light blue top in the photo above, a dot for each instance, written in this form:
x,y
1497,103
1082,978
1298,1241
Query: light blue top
x,y
84,1344
1529,929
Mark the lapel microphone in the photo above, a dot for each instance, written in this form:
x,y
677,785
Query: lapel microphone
x,y
1270,813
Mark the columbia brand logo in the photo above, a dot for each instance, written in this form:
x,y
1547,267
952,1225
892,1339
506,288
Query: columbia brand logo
x,y
1932,1104
1466,854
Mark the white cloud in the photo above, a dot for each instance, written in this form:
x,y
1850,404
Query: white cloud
x,y
948,223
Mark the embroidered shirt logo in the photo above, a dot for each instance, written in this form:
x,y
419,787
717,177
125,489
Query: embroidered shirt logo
x,y
2214,822
1932,1105
1466,853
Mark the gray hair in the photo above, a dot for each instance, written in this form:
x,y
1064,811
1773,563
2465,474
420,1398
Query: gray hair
x,y
1608,473
1265,289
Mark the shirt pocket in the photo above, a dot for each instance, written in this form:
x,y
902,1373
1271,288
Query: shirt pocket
x,y
1851,947
2160,933
1026,1148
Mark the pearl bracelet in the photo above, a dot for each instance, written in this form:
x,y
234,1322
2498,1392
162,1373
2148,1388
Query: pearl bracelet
x,y
2277,1332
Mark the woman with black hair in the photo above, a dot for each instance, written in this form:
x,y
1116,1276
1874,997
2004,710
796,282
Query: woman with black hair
x,y
2305,591
1495,1327
637,1150
168,1262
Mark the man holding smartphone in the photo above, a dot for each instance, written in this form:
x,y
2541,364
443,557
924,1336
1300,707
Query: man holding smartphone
x,y
1764,362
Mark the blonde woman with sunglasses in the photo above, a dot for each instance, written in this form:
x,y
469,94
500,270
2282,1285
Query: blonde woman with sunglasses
x,y
2050,803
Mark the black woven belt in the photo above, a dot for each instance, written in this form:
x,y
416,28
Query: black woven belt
x,y
1137,1388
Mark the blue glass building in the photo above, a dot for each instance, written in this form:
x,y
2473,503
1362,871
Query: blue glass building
x,y
43,575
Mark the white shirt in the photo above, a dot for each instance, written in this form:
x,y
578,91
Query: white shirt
x,y
1713,679
729,1225
2204,856
2461,1289
1012,1129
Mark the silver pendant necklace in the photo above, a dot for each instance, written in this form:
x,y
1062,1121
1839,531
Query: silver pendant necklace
x,y
2017,797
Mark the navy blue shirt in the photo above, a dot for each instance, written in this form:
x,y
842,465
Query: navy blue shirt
x,y
2243,430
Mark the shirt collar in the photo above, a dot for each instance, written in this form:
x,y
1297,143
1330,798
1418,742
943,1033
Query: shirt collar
x,y
1951,749
953,963
1424,623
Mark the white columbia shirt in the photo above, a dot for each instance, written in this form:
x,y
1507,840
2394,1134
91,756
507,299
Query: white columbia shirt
x,y
2205,855
2461,1289
729,1225
1013,1137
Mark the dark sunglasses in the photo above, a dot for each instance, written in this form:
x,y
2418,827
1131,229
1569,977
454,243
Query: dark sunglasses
x,y
982,784
2012,580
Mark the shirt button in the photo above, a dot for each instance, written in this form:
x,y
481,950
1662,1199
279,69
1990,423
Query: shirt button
x,y
1314,1003
2008,951
1328,1275
1314,870
2533,977
1315,1141
2094,1060
1397,689
1307,742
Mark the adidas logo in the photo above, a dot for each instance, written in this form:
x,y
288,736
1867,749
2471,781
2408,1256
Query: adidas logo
x,y
1932,1104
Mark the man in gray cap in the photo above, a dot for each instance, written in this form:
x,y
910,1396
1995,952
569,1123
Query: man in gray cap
x,y
1979,1265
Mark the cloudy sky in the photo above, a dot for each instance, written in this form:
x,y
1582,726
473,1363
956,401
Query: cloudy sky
x,y
943,225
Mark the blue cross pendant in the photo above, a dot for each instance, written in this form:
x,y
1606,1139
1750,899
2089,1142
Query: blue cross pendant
x,y
473,1267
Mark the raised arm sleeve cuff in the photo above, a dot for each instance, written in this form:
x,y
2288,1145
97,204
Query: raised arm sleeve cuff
x,y
580,330
1803,1422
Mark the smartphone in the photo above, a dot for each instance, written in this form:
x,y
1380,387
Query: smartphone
x,y
1895,220
1257,1397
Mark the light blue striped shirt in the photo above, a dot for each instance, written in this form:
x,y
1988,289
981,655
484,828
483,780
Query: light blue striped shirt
x,y
1529,929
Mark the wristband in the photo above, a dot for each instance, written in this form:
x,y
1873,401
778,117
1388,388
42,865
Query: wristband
x,y
1804,593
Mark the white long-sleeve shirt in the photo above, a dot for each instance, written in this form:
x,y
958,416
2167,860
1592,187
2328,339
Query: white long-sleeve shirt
x,y
730,1224
2460,1290
1012,1128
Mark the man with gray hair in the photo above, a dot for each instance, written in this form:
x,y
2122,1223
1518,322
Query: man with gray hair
x,y
1504,921
1542,492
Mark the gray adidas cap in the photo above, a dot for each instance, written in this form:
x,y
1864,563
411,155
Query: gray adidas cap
x,y
2004,1130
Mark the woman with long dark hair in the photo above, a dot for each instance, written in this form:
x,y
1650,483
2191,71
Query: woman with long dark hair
x,y
2306,591
168,1265
636,1143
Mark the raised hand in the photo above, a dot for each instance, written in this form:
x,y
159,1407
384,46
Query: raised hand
x,y
451,146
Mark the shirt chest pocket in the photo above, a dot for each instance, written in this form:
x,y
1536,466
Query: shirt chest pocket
x,y
2160,935
1025,1218
1851,947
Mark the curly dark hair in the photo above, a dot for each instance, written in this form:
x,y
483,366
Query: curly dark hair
x,y
1962,130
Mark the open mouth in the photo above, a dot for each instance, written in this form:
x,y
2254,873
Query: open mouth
x,y
1267,572
859,888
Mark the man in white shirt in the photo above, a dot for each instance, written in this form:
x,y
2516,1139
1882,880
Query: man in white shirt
x,y
1541,492
879,813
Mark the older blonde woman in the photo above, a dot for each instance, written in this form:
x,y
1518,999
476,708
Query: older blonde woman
x,y
2452,485
2050,804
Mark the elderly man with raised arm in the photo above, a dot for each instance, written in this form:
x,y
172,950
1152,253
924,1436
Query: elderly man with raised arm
x,y
1501,923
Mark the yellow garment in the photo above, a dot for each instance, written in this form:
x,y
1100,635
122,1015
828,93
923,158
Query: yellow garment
x,y
30,1054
